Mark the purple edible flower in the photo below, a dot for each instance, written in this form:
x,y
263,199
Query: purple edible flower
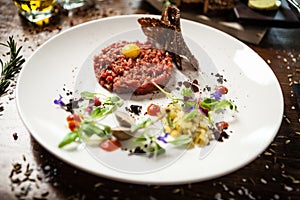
x,y
59,101
190,109
217,95
163,138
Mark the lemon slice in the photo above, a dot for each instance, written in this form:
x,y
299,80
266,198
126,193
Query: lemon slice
x,y
264,4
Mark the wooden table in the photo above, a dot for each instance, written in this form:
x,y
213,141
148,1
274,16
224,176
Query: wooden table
x,y
274,174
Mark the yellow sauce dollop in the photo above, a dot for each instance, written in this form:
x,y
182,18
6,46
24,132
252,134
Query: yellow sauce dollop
x,y
131,51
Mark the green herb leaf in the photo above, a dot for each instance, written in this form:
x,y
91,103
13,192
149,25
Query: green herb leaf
x,y
169,120
156,149
103,111
71,137
140,139
225,104
208,103
117,101
187,92
110,105
88,95
192,114
214,105
143,124
173,98
106,129
181,140
90,128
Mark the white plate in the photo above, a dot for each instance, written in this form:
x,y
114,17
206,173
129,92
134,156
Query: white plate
x,y
252,84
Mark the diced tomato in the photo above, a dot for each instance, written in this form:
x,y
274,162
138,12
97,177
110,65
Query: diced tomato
x,y
222,125
153,110
73,125
73,117
222,89
110,145
97,102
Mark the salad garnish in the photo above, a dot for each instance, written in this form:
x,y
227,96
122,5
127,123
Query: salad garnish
x,y
188,120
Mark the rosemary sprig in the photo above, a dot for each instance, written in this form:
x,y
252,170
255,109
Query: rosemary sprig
x,y
10,68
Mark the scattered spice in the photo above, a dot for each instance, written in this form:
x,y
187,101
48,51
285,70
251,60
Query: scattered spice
x,y
25,181
186,84
15,136
98,185
287,188
177,190
268,153
272,150
293,179
287,141
220,78
286,119
263,181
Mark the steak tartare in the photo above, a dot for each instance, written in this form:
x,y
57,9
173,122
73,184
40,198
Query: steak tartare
x,y
122,74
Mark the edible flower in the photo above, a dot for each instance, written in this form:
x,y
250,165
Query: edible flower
x,y
217,95
219,91
89,109
163,138
59,101
190,109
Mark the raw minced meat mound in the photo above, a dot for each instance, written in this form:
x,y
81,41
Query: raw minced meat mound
x,y
119,74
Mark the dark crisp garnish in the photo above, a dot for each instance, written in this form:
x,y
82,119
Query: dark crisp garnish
x,y
136,109
166,33
73,104
220,136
